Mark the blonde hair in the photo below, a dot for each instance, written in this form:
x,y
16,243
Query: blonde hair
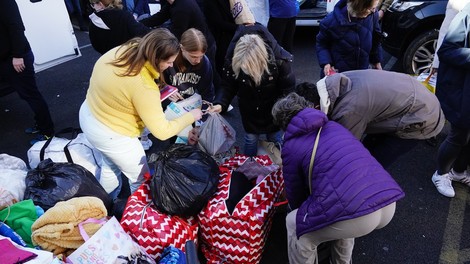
x,y
157,46
251,57
109,3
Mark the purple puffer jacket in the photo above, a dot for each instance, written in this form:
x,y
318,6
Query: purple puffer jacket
x,y
347,182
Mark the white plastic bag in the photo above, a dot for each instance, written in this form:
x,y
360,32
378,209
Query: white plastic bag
x,y
216,135
13,172
175,110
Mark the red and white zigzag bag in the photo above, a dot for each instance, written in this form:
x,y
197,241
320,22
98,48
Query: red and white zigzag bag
x,y
239,237
154,230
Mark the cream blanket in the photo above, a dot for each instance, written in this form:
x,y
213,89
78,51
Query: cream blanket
x,y
57,229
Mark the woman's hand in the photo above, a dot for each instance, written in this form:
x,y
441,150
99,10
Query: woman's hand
x,y
329,70
175,97
197,114
377,66
215,109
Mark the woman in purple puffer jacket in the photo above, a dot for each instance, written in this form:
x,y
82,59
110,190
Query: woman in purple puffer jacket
x,y
351,193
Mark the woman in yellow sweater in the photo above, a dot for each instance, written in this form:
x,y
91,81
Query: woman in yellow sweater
x,y
122,99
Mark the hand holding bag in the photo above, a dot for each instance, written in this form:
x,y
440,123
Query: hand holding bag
x,y
216,135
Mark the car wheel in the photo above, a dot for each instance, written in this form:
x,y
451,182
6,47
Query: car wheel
x,y
420,53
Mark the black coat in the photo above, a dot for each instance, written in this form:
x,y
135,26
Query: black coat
x,y
453,78
184,14
13,42
222,25
122,27
256,102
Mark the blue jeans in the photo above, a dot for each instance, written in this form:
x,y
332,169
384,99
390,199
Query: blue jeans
x,y
251,141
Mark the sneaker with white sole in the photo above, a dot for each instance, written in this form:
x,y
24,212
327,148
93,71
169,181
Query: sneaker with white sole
x,y
462,177
443,184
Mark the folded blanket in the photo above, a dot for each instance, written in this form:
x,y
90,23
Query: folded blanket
x,y
57,229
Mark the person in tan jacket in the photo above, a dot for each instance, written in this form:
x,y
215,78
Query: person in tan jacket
x,y
389,111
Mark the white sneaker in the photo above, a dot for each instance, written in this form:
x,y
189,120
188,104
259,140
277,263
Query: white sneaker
x,y
462,177
146,144
443,184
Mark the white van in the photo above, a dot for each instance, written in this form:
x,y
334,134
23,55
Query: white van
x,y
49,32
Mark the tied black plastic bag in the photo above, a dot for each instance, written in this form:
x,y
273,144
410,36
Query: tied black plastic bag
x,y
184,180
216,135
52,182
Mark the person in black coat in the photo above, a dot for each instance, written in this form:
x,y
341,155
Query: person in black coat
x,y
259,71
223,27
16,67
111,26
453,92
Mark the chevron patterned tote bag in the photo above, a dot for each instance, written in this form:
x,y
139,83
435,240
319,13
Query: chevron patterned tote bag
x,y
154,230
240,236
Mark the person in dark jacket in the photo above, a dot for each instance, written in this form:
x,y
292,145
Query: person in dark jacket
x,y
349,37
138,8
282,16
453,91
389,111
111,26
17,69
337,190
222,25
258,70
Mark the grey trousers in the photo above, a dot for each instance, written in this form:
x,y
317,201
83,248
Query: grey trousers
x,y
304,249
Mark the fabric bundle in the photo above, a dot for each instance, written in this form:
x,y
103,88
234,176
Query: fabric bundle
x,y
57,230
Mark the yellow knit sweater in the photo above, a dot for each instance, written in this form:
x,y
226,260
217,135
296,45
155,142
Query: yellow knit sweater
x,y
128,104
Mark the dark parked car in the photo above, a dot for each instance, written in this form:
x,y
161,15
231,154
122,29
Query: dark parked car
x,y
412,29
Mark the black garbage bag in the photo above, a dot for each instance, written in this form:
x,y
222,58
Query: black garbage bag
x,y
52,182
185,178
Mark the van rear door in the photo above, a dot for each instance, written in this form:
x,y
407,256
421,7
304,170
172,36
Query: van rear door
x,y
49,32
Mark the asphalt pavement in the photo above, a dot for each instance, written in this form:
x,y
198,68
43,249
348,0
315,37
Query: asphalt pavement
x,y
427,227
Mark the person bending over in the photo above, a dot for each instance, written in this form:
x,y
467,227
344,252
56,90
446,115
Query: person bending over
x,y
337,190
389,111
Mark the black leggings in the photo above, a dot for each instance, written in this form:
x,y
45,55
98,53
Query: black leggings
x,y
454,152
